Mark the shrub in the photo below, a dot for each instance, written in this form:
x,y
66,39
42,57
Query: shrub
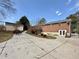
x,y
38,31
35,30
17,31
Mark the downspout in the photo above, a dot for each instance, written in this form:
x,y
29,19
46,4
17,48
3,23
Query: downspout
x,y
78,28
70,27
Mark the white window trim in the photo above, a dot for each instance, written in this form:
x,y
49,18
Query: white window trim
x,y
62,32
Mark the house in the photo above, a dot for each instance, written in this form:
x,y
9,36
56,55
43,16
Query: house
x,y
8,26
12,26
61,28
19,27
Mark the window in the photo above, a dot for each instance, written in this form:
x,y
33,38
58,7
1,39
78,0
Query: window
x,y
60,32
63,32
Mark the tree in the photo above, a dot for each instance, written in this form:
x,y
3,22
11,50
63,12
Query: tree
x,y
73,22
25,22
6,6
18,23
42,21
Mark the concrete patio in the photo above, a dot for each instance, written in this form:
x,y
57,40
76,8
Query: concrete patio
x,y
25,46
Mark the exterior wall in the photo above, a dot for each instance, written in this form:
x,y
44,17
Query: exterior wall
x,y
10,28
55,27
20,28
58,29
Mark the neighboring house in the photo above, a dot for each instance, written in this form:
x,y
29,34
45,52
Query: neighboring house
x,y
20,27
10,26
62,28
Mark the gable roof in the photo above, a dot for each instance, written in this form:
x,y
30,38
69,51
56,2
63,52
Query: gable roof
x,y
56,22
8,23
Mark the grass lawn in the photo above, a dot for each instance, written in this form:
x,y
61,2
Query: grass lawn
x,y
4,36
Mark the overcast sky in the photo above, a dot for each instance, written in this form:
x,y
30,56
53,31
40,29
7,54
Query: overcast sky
x,y
51,10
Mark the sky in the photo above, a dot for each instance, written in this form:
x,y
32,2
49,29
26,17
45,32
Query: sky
x,y
51,10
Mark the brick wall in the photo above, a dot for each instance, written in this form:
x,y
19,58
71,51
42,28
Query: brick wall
x,y
55,27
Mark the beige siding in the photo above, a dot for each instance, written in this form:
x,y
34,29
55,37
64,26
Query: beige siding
x,y
10,28
20,28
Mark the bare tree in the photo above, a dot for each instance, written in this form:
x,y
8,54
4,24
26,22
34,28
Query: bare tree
x,y
5,7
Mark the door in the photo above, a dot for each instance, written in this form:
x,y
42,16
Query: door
x,y
62,32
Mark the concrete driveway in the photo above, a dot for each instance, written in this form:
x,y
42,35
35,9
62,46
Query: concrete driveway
x,y
25,46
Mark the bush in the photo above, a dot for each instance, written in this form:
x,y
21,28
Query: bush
x,y
38,31
35,30
17,31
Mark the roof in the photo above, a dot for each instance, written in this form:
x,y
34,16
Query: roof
x,y
56,22
8,23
